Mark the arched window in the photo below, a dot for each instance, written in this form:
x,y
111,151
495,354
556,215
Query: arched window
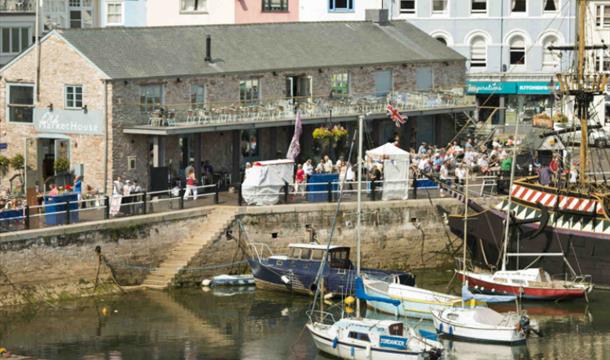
x,y
442,40
550,59
478,51
517,50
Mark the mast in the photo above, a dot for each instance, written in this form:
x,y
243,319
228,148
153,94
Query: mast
x,y
358,234
510,198
465,241
581,98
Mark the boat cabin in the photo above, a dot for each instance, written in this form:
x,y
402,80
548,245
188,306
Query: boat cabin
x,y
360,329
338,256
522,277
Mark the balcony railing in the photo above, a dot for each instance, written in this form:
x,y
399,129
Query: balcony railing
x,y
16,6
171,115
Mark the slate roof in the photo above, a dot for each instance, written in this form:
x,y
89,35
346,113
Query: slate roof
x,y
125,53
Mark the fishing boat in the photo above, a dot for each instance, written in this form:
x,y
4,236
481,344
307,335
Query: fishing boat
x,y
413,301
577,226
297,271
362,338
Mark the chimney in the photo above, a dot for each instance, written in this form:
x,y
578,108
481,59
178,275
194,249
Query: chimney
x,y
379,16
208,48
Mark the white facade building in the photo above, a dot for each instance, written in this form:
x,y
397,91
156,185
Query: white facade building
x,y
189,12
335,10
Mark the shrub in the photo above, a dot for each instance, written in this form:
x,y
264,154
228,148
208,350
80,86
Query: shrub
x,y
61,165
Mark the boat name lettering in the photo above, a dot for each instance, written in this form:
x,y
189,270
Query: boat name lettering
x,y
393,342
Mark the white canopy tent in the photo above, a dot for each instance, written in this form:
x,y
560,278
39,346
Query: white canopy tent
x,y
395,170
264,181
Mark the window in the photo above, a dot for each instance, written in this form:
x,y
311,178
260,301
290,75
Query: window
x,y
249,92
275,5
407,6
478,6
14,40
193,5
519,6
551,5
550,59
114,13
423,78
439,6
341,5
151,97
339,84
602,17
359,336
602,63
131,163
478,52
383,82
74,97
441,40
517,50
20,104
197,97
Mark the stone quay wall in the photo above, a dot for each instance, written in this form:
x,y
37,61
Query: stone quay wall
x,y
61,263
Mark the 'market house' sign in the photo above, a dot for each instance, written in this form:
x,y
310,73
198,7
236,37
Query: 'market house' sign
x,y
69,121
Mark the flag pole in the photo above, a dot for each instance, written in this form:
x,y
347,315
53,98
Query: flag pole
x,y
37,52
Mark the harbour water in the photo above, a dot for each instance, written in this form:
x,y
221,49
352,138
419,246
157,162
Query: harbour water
x,y
254,324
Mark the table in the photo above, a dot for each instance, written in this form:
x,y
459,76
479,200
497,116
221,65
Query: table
x,y
319,182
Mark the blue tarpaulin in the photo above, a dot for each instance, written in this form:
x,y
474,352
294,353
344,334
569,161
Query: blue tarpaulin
x,y
468,295
362,295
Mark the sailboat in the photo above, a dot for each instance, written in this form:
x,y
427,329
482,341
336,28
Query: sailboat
x,y
361,338
482,324
577,226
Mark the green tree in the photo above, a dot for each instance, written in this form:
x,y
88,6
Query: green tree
x,y
4,164
17,162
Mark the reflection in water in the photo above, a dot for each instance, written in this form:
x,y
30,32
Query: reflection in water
x,y
247,324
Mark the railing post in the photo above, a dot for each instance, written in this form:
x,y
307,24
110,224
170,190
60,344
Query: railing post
x,y
372,195
330,192
240,199
67,212
285,192
181,199
217,193
106,207
26,220
144,203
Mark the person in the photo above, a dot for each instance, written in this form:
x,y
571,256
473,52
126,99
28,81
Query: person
x,y
350,176
506,166
191,186
308,168
327,164
117,186
247,170
190,168
127,199
545,176
423,148
460,174
444,176
54,190
299,180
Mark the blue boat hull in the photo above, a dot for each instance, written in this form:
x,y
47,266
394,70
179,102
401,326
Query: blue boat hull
x,y
298,276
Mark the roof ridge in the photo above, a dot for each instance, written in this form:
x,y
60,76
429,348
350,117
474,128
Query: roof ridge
x,y
162,27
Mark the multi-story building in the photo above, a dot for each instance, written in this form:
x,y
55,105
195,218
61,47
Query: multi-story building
x,y
598,31
17,26
506,43
222,93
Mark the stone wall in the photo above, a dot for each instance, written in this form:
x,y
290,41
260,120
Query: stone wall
x,y
395,235
59,263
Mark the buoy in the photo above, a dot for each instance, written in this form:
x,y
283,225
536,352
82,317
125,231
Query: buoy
x,y
2,350
206,282
349,310
349,300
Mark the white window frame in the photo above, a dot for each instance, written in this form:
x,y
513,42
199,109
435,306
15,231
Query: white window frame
x,y
202,7
7,102
557,62
337,78
144,107
525,49
83,7
441,13
599,10
519,13
408,13
193,103
74,102
10,39
551,12
479,12
131,159
486,57
121,14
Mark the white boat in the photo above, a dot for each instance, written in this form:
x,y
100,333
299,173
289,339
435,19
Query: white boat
x,y
230,280
368,339
414,302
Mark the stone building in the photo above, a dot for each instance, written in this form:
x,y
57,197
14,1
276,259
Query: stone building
x,y
142,102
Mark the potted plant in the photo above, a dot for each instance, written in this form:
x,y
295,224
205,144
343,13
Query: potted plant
x,y
4,165
61,166
323,137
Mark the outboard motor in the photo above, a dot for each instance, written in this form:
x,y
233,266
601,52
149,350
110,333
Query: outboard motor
x,y
434,354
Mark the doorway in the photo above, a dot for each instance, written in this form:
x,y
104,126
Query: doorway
x,y
299,88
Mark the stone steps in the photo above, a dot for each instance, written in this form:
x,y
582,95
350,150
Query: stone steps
x,y
179,257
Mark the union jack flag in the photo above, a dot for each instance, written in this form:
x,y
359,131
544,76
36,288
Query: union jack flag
x,y
395,116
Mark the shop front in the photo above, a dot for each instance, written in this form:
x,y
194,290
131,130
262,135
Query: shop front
x,y
507,101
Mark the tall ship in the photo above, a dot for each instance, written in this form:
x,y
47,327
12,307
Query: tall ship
x,y
563,227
